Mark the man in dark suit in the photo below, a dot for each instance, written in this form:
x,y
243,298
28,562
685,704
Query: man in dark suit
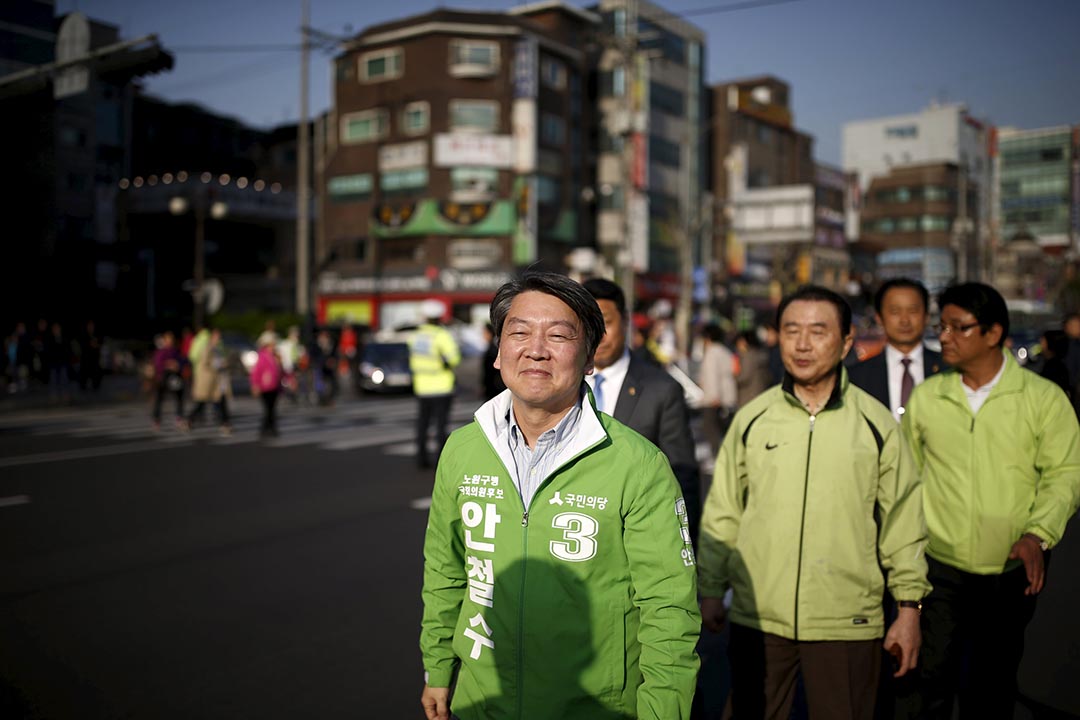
x,y
902,307
640,394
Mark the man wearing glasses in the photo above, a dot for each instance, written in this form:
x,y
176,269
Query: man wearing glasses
x,y
999,452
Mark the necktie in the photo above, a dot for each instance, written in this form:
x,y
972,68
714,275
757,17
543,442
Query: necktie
x,y
598,392
907,382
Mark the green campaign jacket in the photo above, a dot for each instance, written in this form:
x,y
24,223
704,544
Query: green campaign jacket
x,y
988,478
807,512
582,605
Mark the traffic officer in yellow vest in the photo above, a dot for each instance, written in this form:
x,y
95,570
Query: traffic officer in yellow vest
x,y
433,355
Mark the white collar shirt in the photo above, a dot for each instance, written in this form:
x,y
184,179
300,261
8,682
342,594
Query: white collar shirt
x,y
895,367
533,465
976,397
614,376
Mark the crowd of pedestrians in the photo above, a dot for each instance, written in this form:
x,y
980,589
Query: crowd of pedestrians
x,y
198,369
60,360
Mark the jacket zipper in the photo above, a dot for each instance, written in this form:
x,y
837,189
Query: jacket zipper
x,y
802,523
524,565
521,615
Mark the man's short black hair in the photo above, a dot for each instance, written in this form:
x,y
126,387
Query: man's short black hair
x,y
901,282
604,289
559,286
713,333
982,301
816,293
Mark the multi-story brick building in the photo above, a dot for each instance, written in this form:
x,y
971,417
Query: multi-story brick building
x,y
909,217
457,151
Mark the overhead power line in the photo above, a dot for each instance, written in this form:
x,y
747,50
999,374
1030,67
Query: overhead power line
x,y
256,48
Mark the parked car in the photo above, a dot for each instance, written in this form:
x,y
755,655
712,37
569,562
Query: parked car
x,y
240,353
384,367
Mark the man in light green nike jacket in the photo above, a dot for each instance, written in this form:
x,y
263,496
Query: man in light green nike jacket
x,y
999,450
559,577
814,507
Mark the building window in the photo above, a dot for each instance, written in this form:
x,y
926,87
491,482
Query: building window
x,y
934,223
474,180
618,20
667,99
663,151
610,143
350,187
902,131
610,197
415,118
394,181
552,129
553,73
935,193
548,190
907,224
473,58
613,83
480,116
365,126
380,65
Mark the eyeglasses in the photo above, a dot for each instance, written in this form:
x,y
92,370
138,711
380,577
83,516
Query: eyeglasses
x,y
962,330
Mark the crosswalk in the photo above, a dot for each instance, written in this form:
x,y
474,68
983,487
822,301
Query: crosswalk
x,y
386,423
376,422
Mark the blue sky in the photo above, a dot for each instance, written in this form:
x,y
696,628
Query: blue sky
x,y
1013,62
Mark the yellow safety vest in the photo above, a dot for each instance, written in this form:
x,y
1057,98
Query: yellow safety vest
x,y
433,355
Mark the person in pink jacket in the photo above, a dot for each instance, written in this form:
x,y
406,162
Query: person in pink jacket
x,y
266,382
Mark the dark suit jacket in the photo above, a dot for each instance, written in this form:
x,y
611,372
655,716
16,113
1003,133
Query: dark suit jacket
x,y
873,377
652,403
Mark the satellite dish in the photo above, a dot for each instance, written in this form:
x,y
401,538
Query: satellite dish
x,y
72,43
213,293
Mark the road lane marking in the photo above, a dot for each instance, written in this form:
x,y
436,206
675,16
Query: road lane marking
x,y
82,453
15,500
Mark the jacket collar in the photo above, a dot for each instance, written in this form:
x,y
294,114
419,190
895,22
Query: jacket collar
x,y
836,398
491,417
1012,381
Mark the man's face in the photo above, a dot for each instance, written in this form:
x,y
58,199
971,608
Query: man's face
x,y
1072,327
903,316
542,352
963,342
811,342
613,343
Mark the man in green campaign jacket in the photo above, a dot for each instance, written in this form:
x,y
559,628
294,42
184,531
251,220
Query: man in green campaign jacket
x,y
814,499
999,450
559,577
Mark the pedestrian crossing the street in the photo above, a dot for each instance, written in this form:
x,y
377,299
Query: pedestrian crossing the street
x,y
388,423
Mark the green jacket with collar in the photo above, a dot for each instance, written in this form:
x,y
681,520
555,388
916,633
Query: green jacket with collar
x,y
990,477
807,512
581,606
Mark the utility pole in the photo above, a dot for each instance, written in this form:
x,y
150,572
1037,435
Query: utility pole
x,y
199,209
624,254
303,179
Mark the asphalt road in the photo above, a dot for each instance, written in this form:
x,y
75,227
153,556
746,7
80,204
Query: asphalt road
x,y
166,575
185,577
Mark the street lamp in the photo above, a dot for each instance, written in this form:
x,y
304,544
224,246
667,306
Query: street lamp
x,y
179,205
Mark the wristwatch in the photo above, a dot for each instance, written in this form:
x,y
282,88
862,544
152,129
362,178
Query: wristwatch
x,y
1042,543
917,604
